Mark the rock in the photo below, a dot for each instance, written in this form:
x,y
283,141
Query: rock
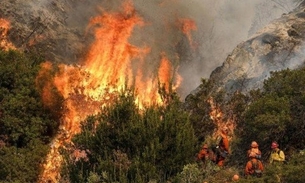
x,y
279,45
276,47
42,27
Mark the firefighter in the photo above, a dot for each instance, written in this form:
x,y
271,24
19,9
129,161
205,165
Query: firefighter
x,y
254,166
222,149
277,156
203,154
254,148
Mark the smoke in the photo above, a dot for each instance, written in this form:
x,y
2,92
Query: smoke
x,y
221,25
39,4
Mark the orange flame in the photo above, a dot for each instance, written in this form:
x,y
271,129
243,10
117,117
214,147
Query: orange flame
x,y
111,64
110,55
4,28
167,75
165,72
188,25
218,118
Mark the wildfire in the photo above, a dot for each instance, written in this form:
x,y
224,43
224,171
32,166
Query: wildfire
x,y
4,28
111,64
188,25
166,74
218,118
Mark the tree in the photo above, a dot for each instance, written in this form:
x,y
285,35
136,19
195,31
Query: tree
x,y
26,126
275,113
198,107
132,145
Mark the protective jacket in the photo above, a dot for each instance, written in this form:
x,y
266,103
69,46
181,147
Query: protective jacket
x,y
203,154
253,167
258,153
276,156
223,150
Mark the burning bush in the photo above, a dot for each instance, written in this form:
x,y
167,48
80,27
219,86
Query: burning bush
x,y
135,145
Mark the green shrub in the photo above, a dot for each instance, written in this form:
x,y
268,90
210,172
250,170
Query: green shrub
x,y
26,127
191,173
135,146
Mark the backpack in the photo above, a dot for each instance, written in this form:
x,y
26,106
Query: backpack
x,y
257,171
220,152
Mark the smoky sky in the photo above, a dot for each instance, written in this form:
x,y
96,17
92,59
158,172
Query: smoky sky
x,y
221,26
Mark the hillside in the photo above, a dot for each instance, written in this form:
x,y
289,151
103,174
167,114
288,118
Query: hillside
x,y
91,98
44,28
275,47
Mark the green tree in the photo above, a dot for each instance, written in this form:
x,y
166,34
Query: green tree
x,y
198,107
26,126
132,145
275,113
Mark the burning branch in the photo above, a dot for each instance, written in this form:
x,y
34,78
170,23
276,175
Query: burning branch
x,y
4,28
218,118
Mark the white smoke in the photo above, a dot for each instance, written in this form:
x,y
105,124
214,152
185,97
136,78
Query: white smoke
x,y
221,26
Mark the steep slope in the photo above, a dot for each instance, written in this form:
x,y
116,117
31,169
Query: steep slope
x,y
46,28
277,46
55,29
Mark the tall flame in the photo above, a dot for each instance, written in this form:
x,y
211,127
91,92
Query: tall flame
x,y
217,116
187,26
111,64
4,28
